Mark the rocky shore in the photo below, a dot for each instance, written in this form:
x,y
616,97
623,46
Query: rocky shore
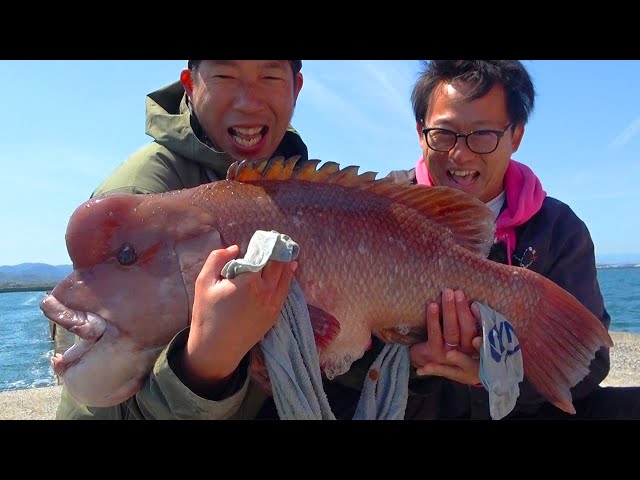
x,y
41,403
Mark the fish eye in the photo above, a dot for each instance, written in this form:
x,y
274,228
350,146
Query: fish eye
x,y
127,255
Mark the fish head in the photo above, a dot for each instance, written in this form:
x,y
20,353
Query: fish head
x,y
135,261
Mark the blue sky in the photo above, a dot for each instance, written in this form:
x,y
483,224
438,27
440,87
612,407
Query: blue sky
x,y
68,124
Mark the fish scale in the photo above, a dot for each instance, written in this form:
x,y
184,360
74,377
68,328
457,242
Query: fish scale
x,y
373,254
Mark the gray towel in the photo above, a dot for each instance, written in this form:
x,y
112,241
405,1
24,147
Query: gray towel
x,y
263,246
291,357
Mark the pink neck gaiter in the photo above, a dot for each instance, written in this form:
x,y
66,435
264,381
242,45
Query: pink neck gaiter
x,y
524,196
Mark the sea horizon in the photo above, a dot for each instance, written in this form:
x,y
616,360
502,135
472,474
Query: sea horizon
x,y
26,347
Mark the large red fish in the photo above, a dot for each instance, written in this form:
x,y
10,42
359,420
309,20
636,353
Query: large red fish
x,y
373,254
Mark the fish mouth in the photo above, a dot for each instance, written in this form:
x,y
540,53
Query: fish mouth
x,y
88,326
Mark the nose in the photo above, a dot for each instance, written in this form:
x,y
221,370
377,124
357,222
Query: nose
x,y
249,98
460,152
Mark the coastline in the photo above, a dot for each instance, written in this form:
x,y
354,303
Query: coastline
x,y
41,403
37,288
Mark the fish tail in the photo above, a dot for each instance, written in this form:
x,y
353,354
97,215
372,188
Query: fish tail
x,y
560,341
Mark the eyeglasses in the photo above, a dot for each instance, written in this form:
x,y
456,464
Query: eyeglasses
x,y
480,141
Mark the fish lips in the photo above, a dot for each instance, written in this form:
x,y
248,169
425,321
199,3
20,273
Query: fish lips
x,y
88,326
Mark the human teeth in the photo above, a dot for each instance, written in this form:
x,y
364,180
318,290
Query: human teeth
x,y
462,173
248,131
247,137
246,143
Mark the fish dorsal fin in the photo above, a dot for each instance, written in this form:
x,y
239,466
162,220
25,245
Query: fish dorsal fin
x,y
469,221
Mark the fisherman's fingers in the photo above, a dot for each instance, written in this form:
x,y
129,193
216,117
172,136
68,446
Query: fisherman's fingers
x,y
458,367
440,370
466,323
273,284
446,371
468,367
272,289
210,287
284,283
450,323
421,354
211,271
434,333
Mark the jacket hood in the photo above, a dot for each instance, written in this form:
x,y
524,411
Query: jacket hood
x,y
170,123
524,197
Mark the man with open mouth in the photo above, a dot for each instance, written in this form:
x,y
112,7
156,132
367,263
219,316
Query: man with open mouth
x,y
218,112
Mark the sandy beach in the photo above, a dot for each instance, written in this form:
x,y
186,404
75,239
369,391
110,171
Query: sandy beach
x,y
41,403
625,361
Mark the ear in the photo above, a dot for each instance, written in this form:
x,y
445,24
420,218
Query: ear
x,y
298,87
516,138
419,130
186,79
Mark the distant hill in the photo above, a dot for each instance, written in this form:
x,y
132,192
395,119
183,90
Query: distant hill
x,y
32,275
42,276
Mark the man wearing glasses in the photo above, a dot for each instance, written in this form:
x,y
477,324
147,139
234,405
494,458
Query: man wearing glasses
x,y
470,119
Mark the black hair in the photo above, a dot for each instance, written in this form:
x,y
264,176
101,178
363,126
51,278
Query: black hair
x,y
481,75
296,65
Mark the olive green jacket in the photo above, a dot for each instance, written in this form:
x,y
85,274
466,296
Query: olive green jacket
x,y
176,158
164,396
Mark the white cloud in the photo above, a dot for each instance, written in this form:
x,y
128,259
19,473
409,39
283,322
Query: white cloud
x,y
325,99
369,101
627,134
388,75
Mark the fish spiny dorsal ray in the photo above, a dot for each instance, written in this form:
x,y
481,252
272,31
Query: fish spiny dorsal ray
x,y
469,221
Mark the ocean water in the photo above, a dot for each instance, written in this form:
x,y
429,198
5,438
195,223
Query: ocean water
x,y
26,347
25,343
621,291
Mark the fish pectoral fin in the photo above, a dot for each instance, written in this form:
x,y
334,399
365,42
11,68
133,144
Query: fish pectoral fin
x,y
325,326
402,335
